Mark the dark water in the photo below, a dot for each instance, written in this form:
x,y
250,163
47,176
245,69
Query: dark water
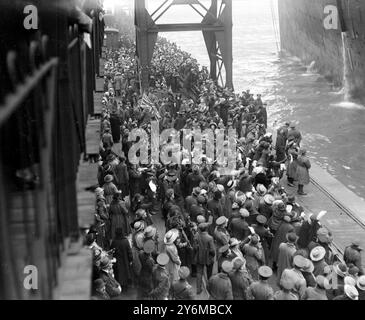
x,y
333,130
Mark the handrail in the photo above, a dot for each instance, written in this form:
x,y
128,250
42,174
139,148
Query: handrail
x,y
14,100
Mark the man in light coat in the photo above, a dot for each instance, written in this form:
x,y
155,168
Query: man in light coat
x,y
300,284
171,251
303,166
286,253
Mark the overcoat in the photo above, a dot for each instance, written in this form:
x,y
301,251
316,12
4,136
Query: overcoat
x,y
260,290
238,228
240,281
174,263
285,257
119,217
182,290
303,166
161,283
220,287
111,285
292,163
145,277
265,238
204,248
124,257
254,259
280,237
122,178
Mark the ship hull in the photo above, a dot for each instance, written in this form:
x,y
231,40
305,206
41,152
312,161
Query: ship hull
x,y
304,35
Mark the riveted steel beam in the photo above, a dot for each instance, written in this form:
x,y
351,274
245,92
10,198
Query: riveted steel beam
x,y
216,27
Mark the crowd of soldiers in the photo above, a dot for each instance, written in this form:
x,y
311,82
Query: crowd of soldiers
x,y
241,235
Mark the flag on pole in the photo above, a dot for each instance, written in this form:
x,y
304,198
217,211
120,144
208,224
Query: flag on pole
x,y
146,102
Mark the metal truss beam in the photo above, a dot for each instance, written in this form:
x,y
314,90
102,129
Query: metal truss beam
x,y
216,27
177,27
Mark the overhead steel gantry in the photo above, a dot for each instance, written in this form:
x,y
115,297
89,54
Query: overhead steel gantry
x,y
216,26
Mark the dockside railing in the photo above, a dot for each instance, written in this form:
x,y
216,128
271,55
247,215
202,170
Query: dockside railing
x,y
48,78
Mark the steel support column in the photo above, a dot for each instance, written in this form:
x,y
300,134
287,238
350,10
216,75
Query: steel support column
x,y
145,40
216,27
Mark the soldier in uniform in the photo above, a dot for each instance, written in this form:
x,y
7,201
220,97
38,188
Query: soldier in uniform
x,y
261,290
145,276
254,256
319,292
286,285
219,285
264,234
221,234
240,279
181,289
238,227
300,284
294,134
224,254
160,279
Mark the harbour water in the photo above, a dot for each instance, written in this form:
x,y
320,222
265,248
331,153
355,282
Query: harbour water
x,y
333,129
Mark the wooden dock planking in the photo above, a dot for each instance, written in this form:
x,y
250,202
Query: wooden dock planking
x,y
97,102
87,177
92,136
99,84
102,67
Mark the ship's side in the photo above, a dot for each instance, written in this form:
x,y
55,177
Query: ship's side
x,y
303,34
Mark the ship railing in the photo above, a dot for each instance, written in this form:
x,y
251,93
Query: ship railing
x,y
45,99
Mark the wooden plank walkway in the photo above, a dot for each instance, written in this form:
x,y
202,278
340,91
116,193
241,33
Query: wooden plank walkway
x,y
76,276
99,84
101,67
97,103
92,136
87,177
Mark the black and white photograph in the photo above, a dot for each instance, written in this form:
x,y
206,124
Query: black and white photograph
x,y
189,151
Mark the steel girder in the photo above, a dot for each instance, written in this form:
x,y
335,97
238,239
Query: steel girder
x,y
216,26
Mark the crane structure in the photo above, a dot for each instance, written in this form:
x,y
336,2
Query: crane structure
x,y
216,26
